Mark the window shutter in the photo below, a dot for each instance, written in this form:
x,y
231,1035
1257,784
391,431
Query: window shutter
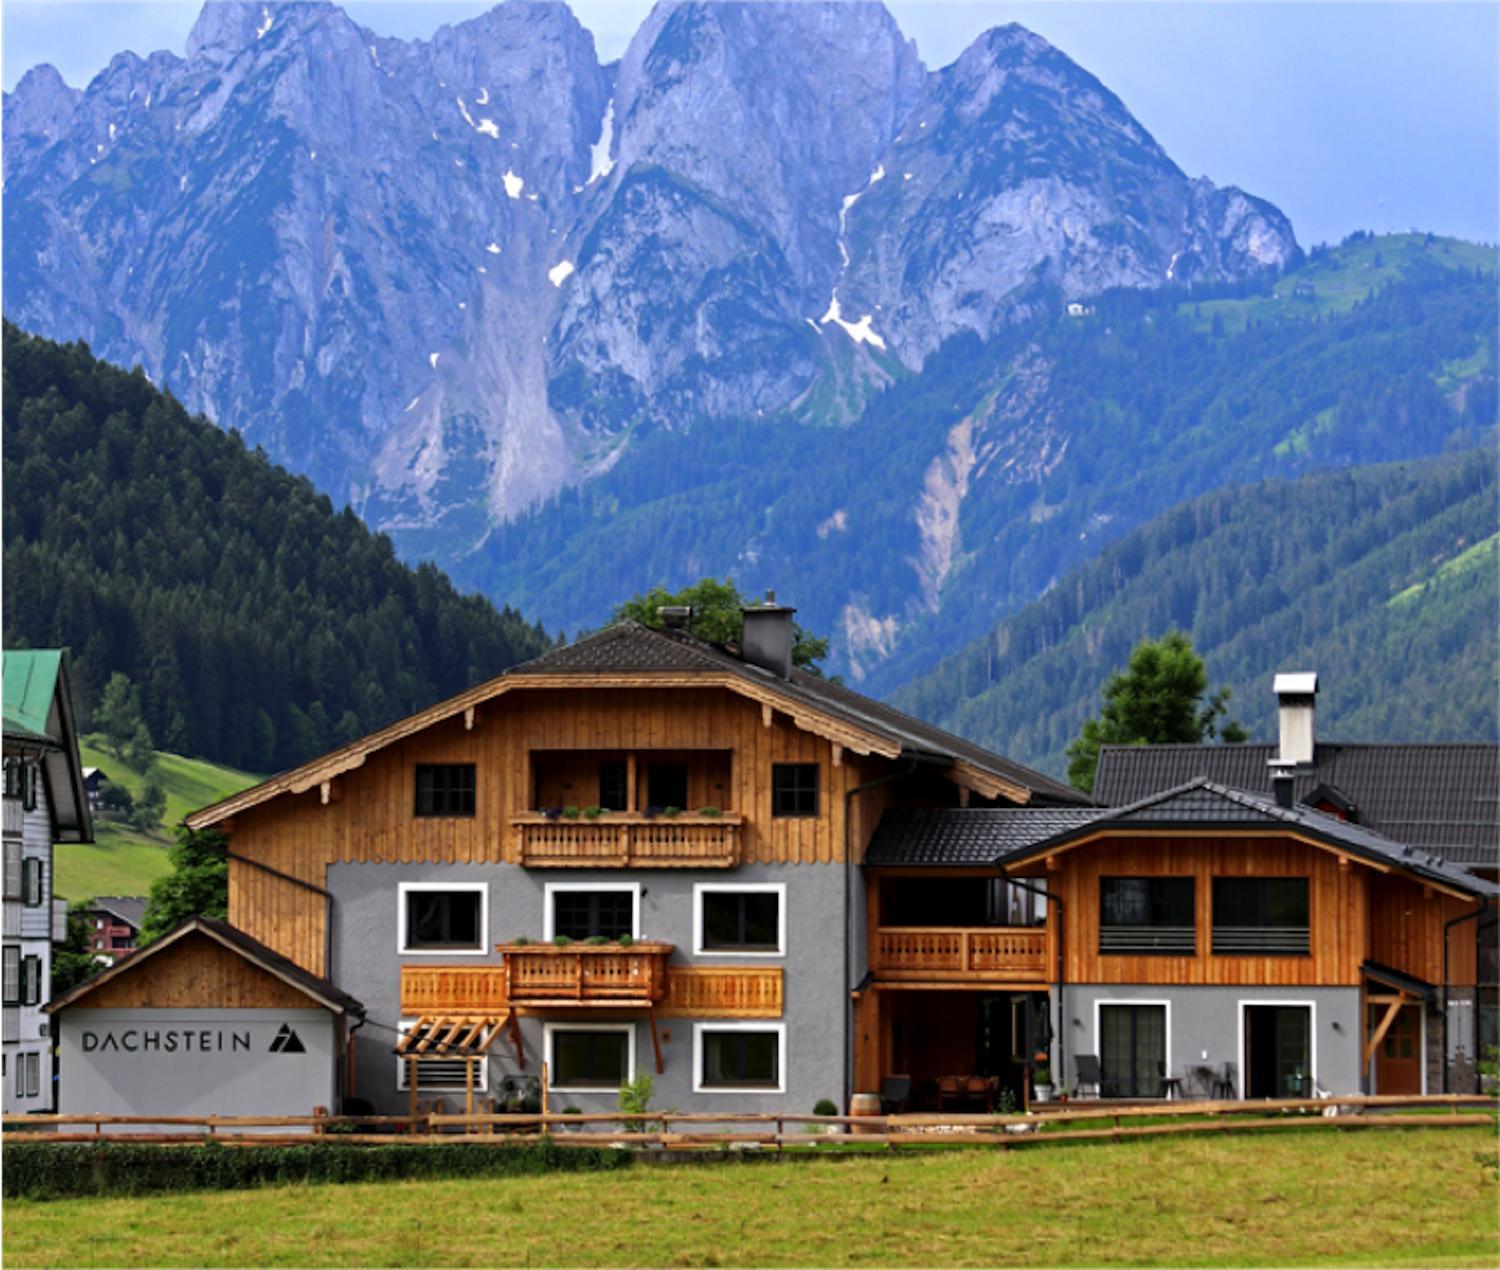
x,y
10,988
28,787
12,870
31,882
33,976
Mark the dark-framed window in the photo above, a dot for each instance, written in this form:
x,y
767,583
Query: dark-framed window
x,y
1261,916
1147,915
31,980
31,883
667,785
445,789
740,920
614,786
739,1058
15,777
1132,1049
794,789
443,920
589,1058
588,914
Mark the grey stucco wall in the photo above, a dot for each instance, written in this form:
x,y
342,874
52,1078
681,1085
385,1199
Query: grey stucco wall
x,y
367,963
1203,1026
195,1062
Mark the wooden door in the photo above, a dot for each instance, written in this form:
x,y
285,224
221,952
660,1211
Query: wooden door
x,y
1398,1059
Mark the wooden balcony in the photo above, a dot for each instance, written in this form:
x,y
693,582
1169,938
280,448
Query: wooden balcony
x,y
979,954
626,840
545,977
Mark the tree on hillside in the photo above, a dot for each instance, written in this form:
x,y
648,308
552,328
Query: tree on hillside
x,y
118,716
73,959
1159,699
717,617
197,886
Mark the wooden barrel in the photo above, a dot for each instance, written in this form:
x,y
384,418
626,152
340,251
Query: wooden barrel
x,y
864,1105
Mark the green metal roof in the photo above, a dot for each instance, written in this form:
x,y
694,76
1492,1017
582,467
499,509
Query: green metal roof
x,y
30,689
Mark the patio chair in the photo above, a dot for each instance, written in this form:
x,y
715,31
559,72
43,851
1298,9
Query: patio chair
x,y
1224,1082
1203,1077
895,1093
1170,1088
1089,1077
948,1087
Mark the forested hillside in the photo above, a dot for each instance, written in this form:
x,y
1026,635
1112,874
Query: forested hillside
x,y
260,625
965,491
1382,579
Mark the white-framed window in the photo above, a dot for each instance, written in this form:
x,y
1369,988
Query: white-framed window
x,y
12,870
585,1058
746,919
31,980
582,910
33,1066
11,974
31,883
440,1075
442,918
742,1058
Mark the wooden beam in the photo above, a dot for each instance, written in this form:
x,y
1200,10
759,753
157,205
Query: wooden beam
x,y
515,1040
469,718
838,755
765,713
661,1064
1385,1026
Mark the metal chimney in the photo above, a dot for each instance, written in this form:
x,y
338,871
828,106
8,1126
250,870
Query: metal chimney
x,y
767,641
1295,698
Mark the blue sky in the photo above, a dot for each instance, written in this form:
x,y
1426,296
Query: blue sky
x,y
1346,115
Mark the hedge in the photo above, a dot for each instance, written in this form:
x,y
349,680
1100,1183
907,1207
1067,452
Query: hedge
x,y
53,1170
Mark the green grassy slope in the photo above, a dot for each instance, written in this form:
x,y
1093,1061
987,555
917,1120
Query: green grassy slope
x,y
125,861
1382,579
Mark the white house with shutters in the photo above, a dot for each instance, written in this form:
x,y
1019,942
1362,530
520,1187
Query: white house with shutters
x,y
44,803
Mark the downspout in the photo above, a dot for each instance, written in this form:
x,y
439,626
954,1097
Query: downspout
x,y
849,795
1062,1031
306,886
348,1073
1447,928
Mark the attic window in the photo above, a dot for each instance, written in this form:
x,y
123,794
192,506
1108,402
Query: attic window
x,y
445,789
794,789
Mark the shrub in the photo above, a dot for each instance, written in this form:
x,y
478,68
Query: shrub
x,y
562,941
521,940
53,1170
570,813
709,811
671,811
596,941
825,1107
626,940
592,813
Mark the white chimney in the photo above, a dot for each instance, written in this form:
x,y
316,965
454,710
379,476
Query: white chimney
x,y
1295,697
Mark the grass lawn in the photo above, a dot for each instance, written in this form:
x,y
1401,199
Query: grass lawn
x,y
124,861
1389,1197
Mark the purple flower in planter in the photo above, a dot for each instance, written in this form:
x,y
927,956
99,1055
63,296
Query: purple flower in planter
x,y
553,813
653,811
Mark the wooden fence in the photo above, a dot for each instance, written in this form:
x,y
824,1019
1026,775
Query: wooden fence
x,y
696,1130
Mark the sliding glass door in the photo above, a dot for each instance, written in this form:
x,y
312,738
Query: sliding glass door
x,y
1132,1049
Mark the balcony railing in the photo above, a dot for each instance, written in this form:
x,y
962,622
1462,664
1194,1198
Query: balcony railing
x,y
625,840
545,977
1012,954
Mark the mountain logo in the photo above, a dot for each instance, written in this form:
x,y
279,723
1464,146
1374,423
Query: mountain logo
x,y
287,1042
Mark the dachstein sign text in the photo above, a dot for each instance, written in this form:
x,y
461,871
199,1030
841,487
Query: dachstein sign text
x,y
165,1041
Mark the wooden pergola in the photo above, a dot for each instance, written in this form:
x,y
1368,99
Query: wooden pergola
x,y
1394,990
464,1038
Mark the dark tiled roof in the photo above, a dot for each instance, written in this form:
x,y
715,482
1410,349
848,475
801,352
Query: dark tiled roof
x,y
1439,797
977,836
130,909
629,646
320,989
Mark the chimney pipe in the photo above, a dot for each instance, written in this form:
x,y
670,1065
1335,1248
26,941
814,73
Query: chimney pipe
x,y
1283,782
767,641
1295,698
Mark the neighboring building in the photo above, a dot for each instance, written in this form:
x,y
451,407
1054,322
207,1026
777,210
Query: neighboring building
x,y
1440,798
44,802
94,781
644,853
205,1021
114,925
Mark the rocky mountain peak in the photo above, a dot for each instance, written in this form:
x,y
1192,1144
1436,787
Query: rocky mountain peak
x,y
226,28
41,104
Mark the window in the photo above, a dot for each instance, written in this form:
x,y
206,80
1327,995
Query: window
x,y
31,883
747,919
1261,915
445,789
667,785
14,777
601,1056
794,789
1146,915
10,972
747,1057
29,777
440,1073
447,917
12,870
31,980
614,787
582,910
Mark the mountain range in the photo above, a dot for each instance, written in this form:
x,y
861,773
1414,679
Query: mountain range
x,y
766,297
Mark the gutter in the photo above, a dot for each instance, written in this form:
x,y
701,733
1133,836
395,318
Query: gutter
x,y
1062,1031
912,764
306,886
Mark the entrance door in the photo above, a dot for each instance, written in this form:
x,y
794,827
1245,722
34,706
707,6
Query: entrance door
x,y
1132,1049
1278,1051
1398,1059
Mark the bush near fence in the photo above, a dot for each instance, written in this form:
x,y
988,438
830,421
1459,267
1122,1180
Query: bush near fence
x,y
54,1170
